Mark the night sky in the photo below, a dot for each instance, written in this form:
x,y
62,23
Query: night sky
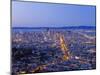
x,y
33,14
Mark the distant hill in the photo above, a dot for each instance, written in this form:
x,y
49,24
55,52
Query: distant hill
x,y
69,27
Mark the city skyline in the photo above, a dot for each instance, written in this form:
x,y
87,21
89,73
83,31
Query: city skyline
x,y
34,14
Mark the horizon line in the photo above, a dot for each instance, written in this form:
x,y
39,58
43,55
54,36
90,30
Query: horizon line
x,y
54,26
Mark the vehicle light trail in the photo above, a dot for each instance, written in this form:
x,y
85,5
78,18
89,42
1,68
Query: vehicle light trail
x,y
64,48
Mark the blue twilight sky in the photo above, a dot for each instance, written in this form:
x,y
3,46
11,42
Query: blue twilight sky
x,y
32,14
